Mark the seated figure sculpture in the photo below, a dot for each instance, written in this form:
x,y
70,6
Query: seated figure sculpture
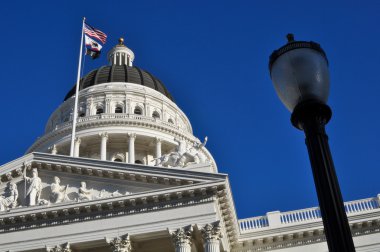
x,y
58,192
84,193
9,199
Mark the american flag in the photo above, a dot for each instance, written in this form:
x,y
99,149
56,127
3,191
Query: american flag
x,y
95,33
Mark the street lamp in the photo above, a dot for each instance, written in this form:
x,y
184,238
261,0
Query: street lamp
x,y
300,75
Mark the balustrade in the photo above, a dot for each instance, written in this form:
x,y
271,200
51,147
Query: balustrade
x,y
306,215
117,116
253,223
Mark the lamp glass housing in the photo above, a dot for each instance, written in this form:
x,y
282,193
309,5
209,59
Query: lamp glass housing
x,y
301,75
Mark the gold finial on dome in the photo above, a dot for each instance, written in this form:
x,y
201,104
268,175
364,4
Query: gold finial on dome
x,y
121,41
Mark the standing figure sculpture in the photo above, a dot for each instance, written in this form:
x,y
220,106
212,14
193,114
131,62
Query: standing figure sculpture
x,y
9,199
34,189
58,192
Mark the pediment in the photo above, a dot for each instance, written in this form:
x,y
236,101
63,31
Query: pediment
x,y
40,179
117,189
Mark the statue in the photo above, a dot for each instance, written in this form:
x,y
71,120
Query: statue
x,y
58,192
33,192
192,155
84,193
9,199
182,157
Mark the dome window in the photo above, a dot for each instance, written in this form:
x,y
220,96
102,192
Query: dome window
x,y
138,162
99,111
117,160
82,114
137,111
118,110
156,115
170,121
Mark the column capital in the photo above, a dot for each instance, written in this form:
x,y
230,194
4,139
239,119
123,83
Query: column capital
x,y
132,135
103,135
120,243
158,140
182,236
78,140
212,232
60,248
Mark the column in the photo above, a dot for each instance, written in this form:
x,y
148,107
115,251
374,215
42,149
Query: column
x,y
182,239
131,148
158,150
103,145
76,146
211,234
120,244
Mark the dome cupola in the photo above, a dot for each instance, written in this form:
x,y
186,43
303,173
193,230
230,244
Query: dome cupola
x,y
121,55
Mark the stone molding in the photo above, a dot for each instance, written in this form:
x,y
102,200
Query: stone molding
x,y
120,243
87,212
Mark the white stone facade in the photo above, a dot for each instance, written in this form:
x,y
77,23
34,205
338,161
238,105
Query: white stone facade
x,y
141,181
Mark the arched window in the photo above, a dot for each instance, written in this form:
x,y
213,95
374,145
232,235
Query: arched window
x,y
118,110
137,111
170,121
82,114
117,160
99,111
156,115
138,162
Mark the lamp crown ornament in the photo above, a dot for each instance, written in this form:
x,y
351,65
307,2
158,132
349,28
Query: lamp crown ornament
x,y
290,37
299,71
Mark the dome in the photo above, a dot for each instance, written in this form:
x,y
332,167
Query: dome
x,y
120,73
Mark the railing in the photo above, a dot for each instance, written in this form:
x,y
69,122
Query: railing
x,y
358,206
117,116
279,219
253,223
302,215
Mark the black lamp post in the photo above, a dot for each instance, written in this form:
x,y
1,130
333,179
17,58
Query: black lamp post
x,y
299,72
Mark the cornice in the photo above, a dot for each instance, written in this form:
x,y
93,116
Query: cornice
x,y
101,168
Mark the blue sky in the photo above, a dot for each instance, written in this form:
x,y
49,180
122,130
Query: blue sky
x,y
213,58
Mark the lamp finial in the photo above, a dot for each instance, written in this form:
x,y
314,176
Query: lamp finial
x,y
290,37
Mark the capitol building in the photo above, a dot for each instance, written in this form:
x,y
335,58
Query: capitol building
x,y
140,181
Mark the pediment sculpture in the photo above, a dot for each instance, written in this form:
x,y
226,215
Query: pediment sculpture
x,y
36,191
183,156
9,198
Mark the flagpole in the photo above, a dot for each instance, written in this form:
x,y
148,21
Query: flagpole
x,y
77,94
